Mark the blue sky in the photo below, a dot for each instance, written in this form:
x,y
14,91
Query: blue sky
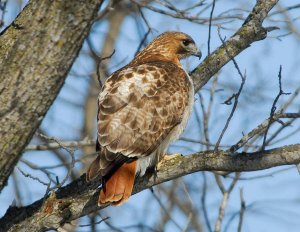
x,y
273,201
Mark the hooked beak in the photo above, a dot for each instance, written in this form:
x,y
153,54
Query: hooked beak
x,y
197,54
194,51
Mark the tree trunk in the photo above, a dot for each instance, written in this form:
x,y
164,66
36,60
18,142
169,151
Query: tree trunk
x,y
36,53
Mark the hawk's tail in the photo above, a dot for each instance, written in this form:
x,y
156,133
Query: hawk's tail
x,y
118,188
117,173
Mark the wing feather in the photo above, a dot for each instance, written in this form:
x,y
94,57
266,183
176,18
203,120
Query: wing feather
x,y
138,108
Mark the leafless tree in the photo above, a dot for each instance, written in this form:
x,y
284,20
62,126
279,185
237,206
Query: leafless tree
x,y
245,119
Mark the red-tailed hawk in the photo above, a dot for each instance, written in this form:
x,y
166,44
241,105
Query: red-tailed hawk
x,y
143,107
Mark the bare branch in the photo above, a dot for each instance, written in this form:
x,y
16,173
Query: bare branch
x,y
167,212
234,96
55,145
2,10
261,128
34,178
99,61
209,27
226,194
250,32
203,202
273,108
79,198
242,210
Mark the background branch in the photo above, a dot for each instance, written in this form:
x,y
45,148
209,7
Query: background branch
x,y
251,31
79,198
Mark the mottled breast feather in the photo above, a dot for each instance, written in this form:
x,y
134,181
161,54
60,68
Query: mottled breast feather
x,y
138,107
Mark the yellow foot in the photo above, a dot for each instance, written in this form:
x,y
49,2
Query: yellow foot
x,y
167,158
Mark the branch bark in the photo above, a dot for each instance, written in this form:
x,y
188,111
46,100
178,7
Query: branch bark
x,y
79,198
36,53
251,31
39,78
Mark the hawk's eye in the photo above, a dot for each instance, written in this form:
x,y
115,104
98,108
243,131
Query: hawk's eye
x,y
186,42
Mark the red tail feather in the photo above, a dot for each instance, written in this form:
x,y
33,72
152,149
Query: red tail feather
x,y
119,186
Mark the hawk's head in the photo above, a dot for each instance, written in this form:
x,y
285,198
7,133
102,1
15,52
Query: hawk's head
x,y
182,44
169,46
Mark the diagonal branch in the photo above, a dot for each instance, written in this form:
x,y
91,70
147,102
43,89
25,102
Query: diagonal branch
x,y
78,198
251,31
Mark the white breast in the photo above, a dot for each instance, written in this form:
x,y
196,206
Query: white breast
x,y
177,131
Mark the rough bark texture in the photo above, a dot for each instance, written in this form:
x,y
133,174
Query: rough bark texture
x,y
38,70
251,31
79,198
36,53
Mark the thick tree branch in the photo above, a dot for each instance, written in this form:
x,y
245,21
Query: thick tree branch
x,y
251,31
36,53
79,198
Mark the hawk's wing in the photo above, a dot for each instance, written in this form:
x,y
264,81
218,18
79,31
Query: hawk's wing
x,y
138,108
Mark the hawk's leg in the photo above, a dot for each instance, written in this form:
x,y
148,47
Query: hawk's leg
x,y
152,171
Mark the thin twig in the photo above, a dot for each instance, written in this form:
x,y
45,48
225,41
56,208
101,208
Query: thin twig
x,y
36,167
71,152
221,212
209,27
107,9
279,130
145,19
203,202
33,177
99,61
273,109
3,5
191,215
272,174
184,14
110,225
289,8
55,145
142,42
202,142
220,183
235,96
205,120
242,210
261,128
164,209
95,223
226,194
